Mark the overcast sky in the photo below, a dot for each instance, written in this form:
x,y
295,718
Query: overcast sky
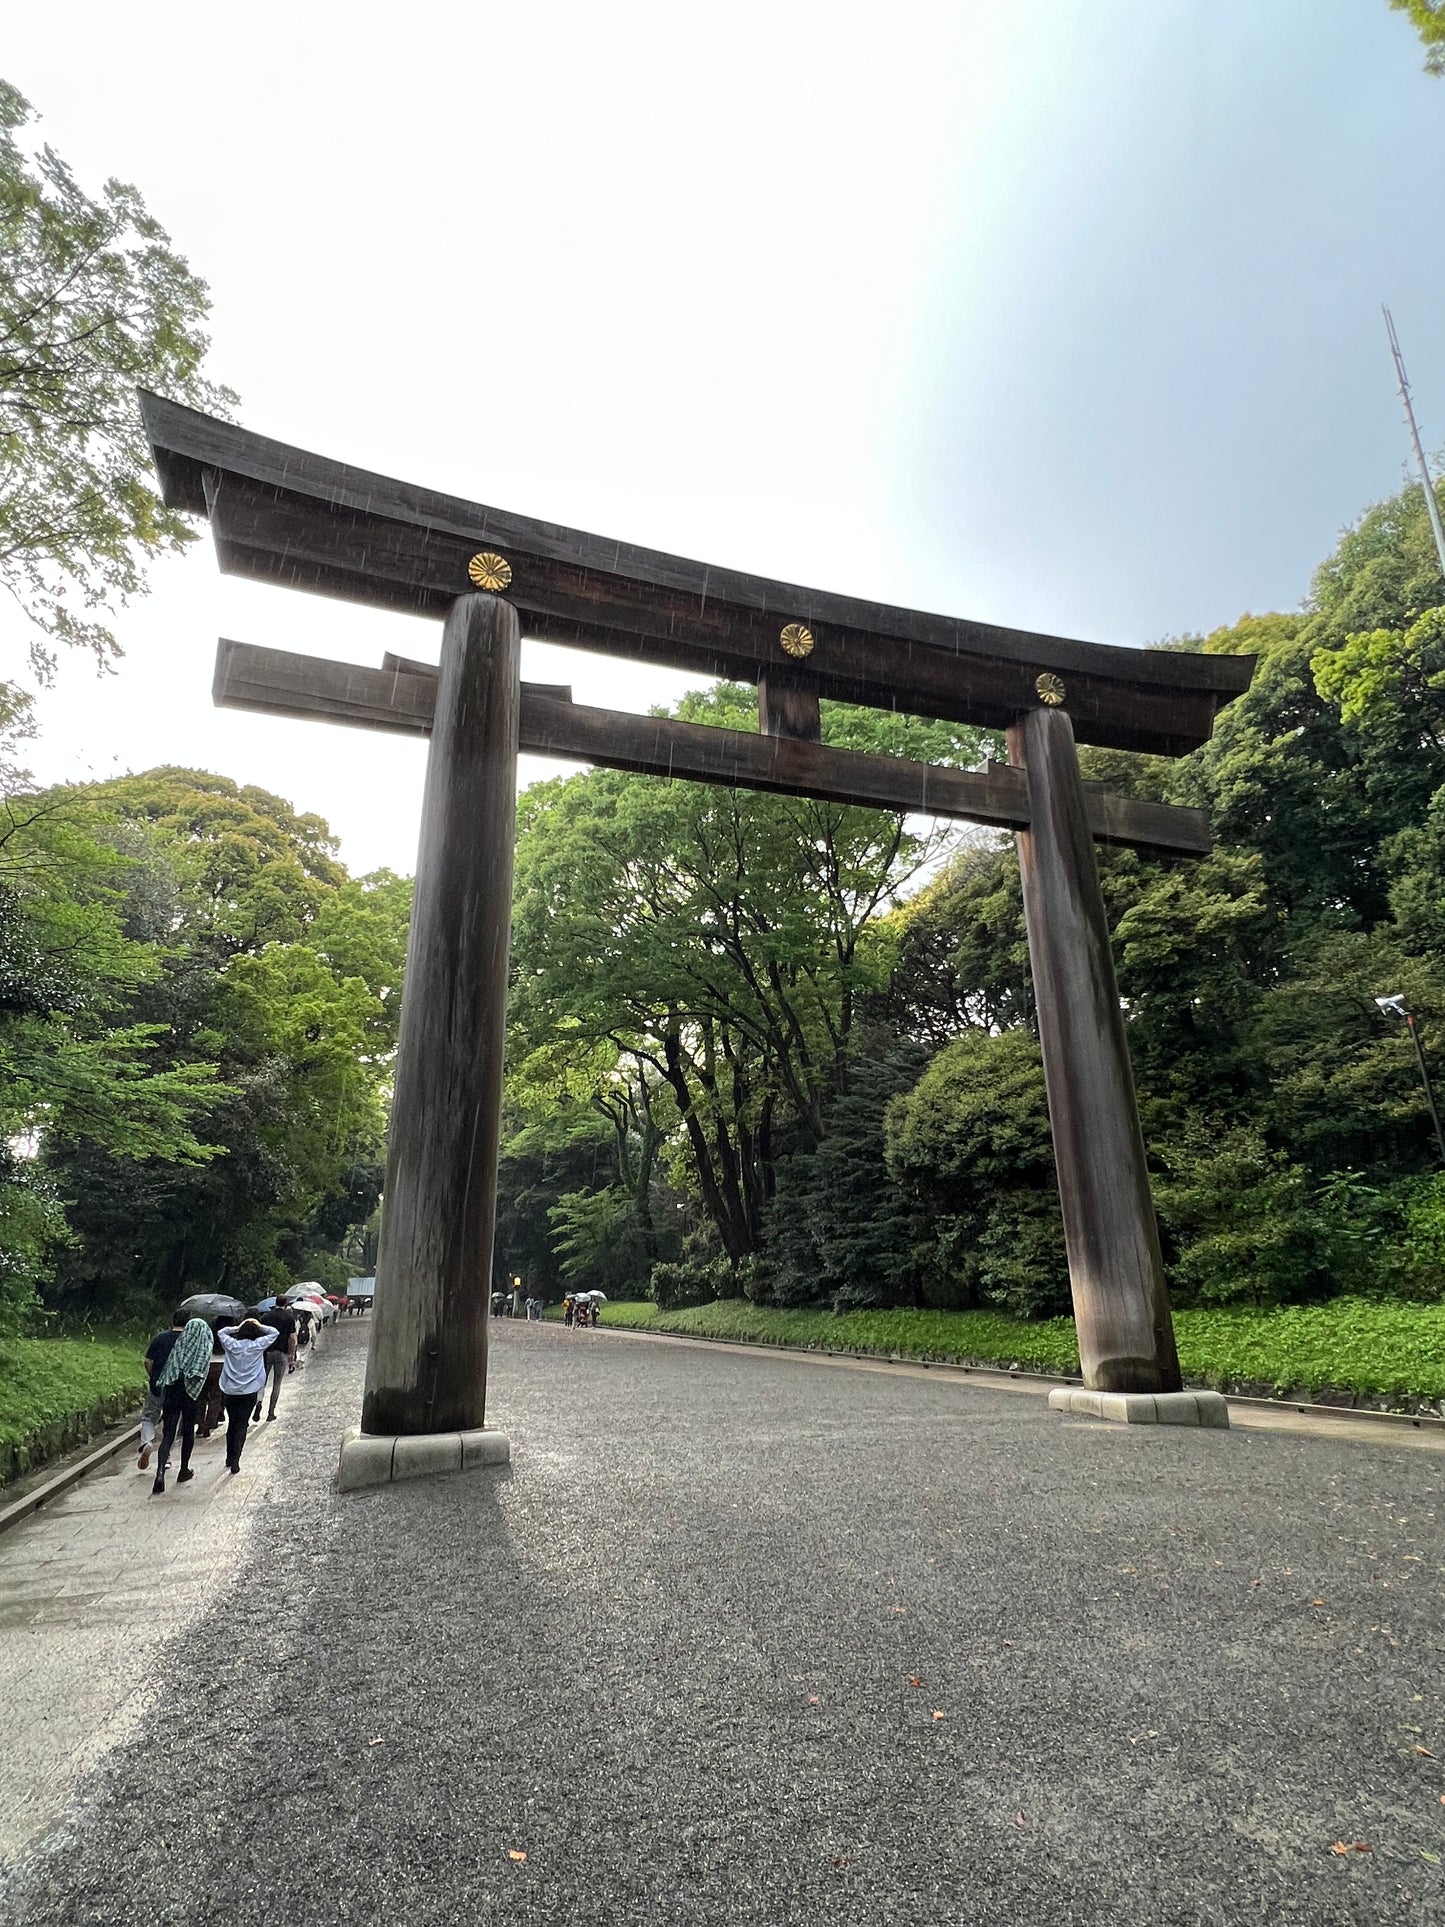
x,y
1059,316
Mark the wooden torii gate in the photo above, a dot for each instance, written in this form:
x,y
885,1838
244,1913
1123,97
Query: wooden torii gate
x,y
280,515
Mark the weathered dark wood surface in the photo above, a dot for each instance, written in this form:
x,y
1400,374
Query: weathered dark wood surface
x,y
413,666
427,1368
282,515
1121,1310
314,687
788,706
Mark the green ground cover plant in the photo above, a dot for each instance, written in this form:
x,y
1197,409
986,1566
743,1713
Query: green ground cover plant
x,y
49,1385
1369,1349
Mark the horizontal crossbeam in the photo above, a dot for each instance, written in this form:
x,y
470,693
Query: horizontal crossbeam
x,y
280,514
401,697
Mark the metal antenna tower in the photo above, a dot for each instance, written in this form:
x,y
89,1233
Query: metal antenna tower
x,y
1430,503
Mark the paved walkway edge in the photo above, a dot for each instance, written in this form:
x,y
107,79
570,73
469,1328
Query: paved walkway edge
x,y
69,1475
1020,1380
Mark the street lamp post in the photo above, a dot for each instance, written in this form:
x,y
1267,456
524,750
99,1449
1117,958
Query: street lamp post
x,y
1397,1007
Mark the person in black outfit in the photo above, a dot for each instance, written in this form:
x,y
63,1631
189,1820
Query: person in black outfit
x,y
282,1356
152,1411
179,1382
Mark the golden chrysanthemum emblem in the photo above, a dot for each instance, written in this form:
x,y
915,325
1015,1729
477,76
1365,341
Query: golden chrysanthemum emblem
x,y
1051,689
797,639
490,571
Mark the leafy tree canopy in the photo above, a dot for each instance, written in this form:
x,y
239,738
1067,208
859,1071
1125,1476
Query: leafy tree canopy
x,y
1428,19
94,303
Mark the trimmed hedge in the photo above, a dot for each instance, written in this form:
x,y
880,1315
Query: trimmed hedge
x,y
58,1392
1352,1347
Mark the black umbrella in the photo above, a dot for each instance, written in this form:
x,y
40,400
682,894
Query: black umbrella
x,y
212,1304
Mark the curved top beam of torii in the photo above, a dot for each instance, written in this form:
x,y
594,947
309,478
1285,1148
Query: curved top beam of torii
x,y
282,515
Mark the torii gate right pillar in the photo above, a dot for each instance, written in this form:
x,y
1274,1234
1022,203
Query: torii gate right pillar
x,y
1121,1309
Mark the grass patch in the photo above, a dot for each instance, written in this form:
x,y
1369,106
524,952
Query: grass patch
x,y
1352,1345
48,1385
969,1337
1379,1350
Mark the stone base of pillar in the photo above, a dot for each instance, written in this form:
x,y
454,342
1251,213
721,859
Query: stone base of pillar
x,y
1142,1408
371,1459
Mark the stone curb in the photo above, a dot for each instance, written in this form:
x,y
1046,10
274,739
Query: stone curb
x,y
19,1509
1143,1408
369,1460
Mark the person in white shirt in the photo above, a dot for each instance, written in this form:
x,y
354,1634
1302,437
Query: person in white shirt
x,y
243,1375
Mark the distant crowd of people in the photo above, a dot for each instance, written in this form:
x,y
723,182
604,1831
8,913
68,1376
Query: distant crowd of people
x,y
203,1369
578,1307
511,1304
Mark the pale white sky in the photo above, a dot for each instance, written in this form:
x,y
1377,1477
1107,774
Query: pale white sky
x,y
1064,317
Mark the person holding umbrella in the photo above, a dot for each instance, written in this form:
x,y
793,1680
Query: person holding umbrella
x,y
179,1382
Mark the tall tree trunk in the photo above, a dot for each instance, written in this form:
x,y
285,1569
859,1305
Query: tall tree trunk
x,y
712,1195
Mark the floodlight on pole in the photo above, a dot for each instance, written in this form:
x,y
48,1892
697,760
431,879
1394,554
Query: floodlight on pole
x,y
1432,506
1396,1006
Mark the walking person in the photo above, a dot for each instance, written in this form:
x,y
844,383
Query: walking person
x,y
157,1353
180,1382
209,1409
243,1377
281,1358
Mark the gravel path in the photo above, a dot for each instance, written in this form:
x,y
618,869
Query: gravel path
x,y
756,1641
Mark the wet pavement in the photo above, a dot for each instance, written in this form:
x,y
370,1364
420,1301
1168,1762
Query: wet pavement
x,y
738,1639
91,1589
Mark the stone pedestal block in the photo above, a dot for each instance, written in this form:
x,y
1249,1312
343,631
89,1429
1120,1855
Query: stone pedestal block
x,y
369,1459
1142,1408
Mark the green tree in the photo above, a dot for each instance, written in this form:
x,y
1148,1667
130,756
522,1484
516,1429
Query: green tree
x,y
1428,19
94,303
251,869
285,973
80,1066
970,1148
719,939
836,1227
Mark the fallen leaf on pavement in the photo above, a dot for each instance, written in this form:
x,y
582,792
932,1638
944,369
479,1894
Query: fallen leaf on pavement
x,y
515,1853
1019,1820
815,1699
1352,1846
937,1715
914,1680
1317,1602
1432,1858
1426,1751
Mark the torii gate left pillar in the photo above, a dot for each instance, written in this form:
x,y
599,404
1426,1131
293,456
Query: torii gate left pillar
x,y
424,1408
